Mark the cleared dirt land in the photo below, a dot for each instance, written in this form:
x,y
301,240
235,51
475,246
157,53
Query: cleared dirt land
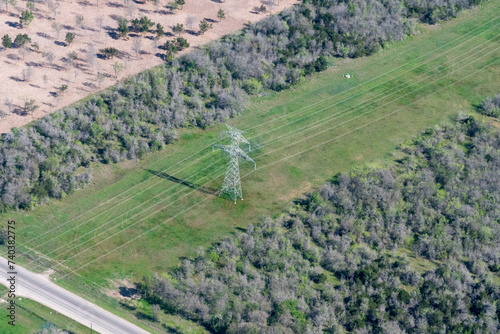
x,y
27,74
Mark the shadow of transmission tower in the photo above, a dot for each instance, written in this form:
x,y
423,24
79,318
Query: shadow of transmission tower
x,y
198,187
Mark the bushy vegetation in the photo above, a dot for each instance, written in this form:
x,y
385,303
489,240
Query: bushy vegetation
x,y
408,249
52,157
491,107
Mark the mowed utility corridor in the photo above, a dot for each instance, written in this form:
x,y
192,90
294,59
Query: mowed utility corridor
x,y
140,217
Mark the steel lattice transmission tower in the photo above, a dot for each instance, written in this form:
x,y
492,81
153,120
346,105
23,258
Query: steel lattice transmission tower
x,y
232,182
235,135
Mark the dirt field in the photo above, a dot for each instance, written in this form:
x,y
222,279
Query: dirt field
x,y
27,75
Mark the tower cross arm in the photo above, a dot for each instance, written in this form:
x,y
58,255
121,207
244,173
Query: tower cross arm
x,y
234,150
243,155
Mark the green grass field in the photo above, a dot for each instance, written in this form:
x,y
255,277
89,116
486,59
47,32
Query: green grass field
x,y
142,217
32,317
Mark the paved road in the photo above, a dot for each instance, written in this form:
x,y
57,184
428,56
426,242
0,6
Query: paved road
x,y
40,289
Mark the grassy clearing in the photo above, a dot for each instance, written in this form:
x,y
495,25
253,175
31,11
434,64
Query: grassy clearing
x,y
32,317
141,217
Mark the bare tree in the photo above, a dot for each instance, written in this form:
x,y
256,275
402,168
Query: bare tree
x,y
190,21
100,75
99,22
131,10
9,104
9,2
137,46
155,308
27,74
23,51
155,44
50,57
91,55
79,21
45,80
68,62
157,4
57,28
53,6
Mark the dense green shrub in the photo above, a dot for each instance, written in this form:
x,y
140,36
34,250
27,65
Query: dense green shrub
x,y
21,40
491,106
262,280
6,41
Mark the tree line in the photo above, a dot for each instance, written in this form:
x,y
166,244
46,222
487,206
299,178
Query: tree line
x,y
409,249
52,156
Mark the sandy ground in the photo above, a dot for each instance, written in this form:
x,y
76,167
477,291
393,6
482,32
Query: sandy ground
x,y
123,290
43,79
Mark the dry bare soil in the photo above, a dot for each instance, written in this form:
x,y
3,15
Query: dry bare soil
x,y
28,74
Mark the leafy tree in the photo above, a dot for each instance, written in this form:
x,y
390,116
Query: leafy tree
x,y
26,17
252,86
204,26
142,25
181,43
60,91
36,47
136,25
109,52
160,32
30,105
178,29
21,40
221,15
123,29
173,6
6,41
170,49
263,8
180,3
70,37
118,67
4,236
